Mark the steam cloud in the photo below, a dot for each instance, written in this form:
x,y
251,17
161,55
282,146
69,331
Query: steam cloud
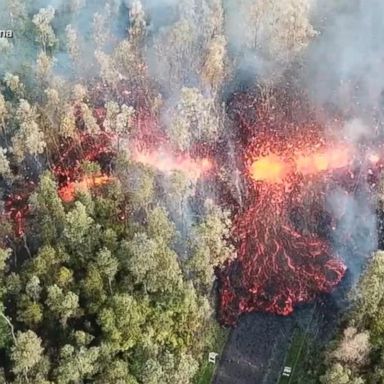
x,y
343,68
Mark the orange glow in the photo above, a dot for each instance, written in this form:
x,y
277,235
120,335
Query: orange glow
x,y
274,169
270,169
167,162
323,161
67,193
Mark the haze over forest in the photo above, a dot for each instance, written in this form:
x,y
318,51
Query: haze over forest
x,y
169,166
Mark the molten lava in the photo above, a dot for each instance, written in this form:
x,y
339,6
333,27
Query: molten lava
x,y
275,169
325,160
278,266
270,169
68,192
167,162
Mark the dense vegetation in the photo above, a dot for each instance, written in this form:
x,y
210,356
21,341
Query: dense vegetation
x,y
116,285
103,299
356,355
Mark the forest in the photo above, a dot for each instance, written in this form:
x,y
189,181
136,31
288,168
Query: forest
x,y
120,184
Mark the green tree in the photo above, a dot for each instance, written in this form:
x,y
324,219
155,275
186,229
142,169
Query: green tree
x,y
89,120
139,181
108,265
5,170
14,83
337,374
45,264
186,370
29,312
42,21
214,66
67,121
48,209
78,224
63,305
194,119
29,139
153,264
180,189
121,320
152,372
44,66
108,70
26,353
159,225
116,372
101,26
33,288
210,246
76,365
370,291
6,327
93,289
72,42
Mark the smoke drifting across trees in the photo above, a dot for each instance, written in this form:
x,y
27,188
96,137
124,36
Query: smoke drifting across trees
x,y
124,273
105,271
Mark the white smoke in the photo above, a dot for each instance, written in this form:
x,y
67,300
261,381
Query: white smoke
x,y
344,63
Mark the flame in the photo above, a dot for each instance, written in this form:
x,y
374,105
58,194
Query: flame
x,y
167,162
68,192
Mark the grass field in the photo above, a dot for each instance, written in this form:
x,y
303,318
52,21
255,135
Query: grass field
x,y
293,356
206,373
207,370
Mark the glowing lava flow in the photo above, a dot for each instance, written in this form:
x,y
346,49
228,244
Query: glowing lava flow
x,y
167,162
274,169
164,162
68,192
270,169
325,160
277,266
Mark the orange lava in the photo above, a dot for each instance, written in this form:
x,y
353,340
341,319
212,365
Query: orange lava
x,y
270,169
167,162
274,169
325,160
68,192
